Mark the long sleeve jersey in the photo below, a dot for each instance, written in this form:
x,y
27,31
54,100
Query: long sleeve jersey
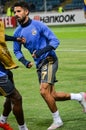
x,y
37,36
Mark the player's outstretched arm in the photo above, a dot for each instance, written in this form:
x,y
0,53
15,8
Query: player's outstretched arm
x,y
12,38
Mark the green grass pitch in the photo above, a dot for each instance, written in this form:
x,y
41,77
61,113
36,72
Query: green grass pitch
x,y
71,77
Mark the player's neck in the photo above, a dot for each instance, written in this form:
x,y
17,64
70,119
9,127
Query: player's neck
x,y
27,23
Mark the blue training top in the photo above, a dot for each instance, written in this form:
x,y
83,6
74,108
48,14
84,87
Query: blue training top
x,y
37,36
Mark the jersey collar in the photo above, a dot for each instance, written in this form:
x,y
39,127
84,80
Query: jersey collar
x,y
27,23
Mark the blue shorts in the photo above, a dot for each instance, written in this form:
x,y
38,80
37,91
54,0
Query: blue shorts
x,y
6,86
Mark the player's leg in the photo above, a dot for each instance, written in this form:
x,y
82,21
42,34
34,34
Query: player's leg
x,y
7,103
62,96
7,108
4,91
45,90
47,78
17,109
13,102
50,96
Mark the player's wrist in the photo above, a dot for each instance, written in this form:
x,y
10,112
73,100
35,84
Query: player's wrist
x,y
24,61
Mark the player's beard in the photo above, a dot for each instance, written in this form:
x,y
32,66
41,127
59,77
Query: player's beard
x,y
21,21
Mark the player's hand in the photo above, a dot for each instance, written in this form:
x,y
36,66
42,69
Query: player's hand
x,y
34,55
21,40
30,65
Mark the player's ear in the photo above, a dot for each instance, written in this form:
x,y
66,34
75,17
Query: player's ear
x,y
27,12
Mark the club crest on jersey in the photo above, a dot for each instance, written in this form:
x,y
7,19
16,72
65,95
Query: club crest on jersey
x,y
34,32
45,67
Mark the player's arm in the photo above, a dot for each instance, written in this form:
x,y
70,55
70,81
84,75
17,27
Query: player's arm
x,y
12,38
25,62
52,41
37,54
19,55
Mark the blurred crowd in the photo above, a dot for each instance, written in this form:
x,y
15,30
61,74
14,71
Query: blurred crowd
x,y
38,6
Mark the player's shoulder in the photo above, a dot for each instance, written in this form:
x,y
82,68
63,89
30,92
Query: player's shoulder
x,y
37,22
17,30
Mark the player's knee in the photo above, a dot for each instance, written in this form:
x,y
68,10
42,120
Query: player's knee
x,y
44,89
18,98
43,92
7,103
17,106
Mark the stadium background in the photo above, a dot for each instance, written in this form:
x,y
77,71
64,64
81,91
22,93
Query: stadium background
x,y
51,12
71,76
46,5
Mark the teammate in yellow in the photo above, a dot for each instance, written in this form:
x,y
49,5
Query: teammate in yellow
x,y
13,98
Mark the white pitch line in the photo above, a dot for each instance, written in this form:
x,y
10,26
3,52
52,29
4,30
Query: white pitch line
x,y
66,31
60,50
72,50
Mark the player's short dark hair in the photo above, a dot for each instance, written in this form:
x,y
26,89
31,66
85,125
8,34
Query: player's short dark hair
x,y
22,4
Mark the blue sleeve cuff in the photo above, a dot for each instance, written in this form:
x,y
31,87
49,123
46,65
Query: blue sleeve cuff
x,y
24,61
44,50
10,38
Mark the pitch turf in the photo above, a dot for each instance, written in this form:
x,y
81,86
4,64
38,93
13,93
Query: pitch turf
x,y
71,77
